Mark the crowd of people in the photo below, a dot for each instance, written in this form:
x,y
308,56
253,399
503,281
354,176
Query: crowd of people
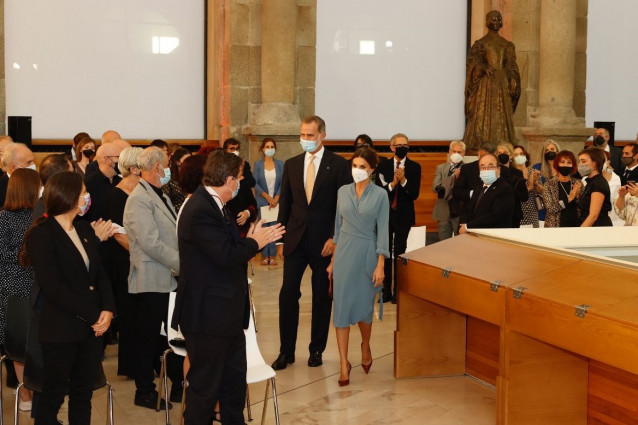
x,y
98,238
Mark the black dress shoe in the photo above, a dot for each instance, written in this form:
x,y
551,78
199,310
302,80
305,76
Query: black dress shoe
x,y
315,359
150,401
394,300
283,361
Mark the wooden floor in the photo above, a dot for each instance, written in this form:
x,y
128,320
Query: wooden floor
x,y
312,395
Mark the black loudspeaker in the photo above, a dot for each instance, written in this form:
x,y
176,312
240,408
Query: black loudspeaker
x,y
20,130
611,128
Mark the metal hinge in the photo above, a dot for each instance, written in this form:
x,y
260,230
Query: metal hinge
x,y
494,285
581,310
518,292
404,261
446,271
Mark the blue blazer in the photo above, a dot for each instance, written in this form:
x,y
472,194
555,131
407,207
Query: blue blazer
x,y
260,180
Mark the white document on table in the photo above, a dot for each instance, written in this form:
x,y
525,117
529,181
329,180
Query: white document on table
x,y
269,214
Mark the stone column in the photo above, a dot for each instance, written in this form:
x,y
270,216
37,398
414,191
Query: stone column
x,y
555,117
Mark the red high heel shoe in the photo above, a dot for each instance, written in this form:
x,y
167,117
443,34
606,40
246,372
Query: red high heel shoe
x,y
366,367
344,382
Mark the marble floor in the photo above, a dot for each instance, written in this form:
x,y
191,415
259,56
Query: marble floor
x,y
312,395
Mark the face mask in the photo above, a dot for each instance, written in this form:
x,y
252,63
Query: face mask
x,y
269,152
30,167
87,153
488,176
503,158
456,158
167,177
87,204
584,170
565,171
549,156
626,160
236,191
599,140
359,175
235,153
520,160
401,151
308,145
115,167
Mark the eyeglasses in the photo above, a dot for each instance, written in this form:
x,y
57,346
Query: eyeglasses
x,y
488,167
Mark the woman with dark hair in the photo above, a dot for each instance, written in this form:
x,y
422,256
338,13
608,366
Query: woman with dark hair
x,y
190,176
84,153
595,199
363,140
268,174
15,280
560,194
77,302
357,267
520,161
172,189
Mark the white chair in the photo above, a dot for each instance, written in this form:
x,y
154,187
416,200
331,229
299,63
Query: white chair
x,y
258,371
163,377
251,301
416,238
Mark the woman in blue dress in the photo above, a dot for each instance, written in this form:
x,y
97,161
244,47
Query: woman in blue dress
x,y
361,246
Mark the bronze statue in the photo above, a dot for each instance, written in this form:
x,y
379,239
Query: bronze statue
x,y
492,87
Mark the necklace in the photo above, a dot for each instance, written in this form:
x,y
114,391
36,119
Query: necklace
x,y
563,184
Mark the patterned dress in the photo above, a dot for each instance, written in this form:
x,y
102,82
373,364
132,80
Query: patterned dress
x,y
15,280
530,212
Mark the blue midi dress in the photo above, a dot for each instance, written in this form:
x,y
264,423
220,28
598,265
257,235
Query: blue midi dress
x,y
361,235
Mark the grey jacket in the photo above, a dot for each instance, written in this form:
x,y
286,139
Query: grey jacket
x,y
441,210
152,241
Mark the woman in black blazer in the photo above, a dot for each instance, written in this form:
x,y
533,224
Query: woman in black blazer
x,y
75,295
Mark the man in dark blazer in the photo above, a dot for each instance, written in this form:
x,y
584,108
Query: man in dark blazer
x,y
401,178
469,179
307,208
244,205
15,155
212,297
492,202
601,140
630,161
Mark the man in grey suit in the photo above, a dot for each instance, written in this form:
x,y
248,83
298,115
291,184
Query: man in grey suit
x,y
444,212
150,222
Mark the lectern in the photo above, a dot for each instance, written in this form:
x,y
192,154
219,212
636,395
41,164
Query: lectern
x,y
556,332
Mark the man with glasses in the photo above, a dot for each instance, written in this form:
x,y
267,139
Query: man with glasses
x,y
492,201
101,183
401,178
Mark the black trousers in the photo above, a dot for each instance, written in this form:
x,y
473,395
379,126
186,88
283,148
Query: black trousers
x,y
294,266
72,367
217,373
398,243
151,309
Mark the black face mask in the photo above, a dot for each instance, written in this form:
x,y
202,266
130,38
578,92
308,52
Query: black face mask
x,y
626,160
87,153
549,156
503,158
599,140
565,171
401,151
115,167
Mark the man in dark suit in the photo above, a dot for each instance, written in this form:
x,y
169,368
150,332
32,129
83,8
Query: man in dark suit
x,y
212,297
101,183
630,161
244,205
469,179
307,207
401,178
601,140
15,155
492,202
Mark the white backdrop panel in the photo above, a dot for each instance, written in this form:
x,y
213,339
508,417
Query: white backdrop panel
x,y
391,66
612,61
91,65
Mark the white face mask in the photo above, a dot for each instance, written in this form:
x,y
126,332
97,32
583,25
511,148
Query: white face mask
x,y
520,160
456,158
359,175
236,153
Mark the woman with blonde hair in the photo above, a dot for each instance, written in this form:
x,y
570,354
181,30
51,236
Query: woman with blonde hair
x,y
546,168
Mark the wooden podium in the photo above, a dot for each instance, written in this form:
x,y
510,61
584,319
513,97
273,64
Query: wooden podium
x,y
557,334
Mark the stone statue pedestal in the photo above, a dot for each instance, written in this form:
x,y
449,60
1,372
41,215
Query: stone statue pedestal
x,y
278,120
568,138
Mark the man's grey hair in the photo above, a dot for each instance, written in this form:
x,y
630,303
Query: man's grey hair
x,y
149,157
605,132
128,159
393,138
458,142
9,156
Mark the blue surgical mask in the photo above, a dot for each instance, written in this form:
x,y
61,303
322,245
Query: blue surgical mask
x,y
167,177
269,152
488,176
87,204
236,191
308,145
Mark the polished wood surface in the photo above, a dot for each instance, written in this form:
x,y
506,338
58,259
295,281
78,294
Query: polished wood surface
x,y
612,395
482,353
